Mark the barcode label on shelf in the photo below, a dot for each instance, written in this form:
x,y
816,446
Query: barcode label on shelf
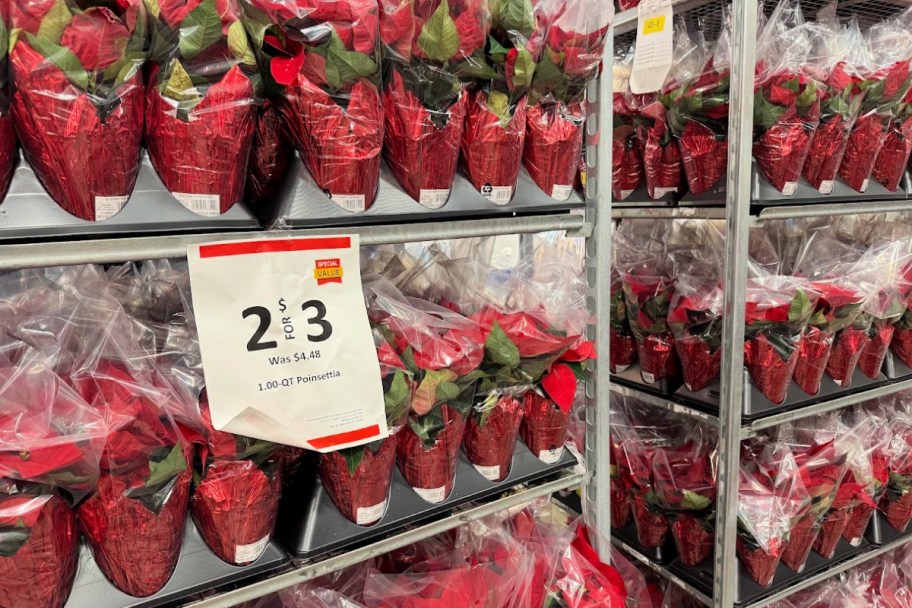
x,y
433,199
499,195
560,192
368,515
647,377
490,473
826,187
864,185
551,456
108,206
207,205
350,202
245,554
789,188
660,192
432,495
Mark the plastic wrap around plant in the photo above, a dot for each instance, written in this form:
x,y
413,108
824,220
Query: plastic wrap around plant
x,y
200,106
87,106
7,132
626,161
321,66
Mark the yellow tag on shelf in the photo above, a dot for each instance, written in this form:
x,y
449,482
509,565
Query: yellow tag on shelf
x,y
654,25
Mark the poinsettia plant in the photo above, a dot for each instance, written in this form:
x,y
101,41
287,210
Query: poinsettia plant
x,y
573,48
837,68
897,500
648,299
200,111
495,130
901,345
429,47
894,154
78,93
623,344
777,312
696,321
626,161
320,63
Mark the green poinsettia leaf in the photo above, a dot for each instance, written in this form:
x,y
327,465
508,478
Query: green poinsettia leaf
x,y
344,66
448,391
500,349
694,502
512,16
353,457
200,29
61,57
55,21
162,471
239,45
496,50
547,73
153,7
439,38
396,398
12,538
808,97
766,113
800,307
524,69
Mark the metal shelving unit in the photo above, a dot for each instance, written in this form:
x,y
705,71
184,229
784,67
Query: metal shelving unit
x,y
740,212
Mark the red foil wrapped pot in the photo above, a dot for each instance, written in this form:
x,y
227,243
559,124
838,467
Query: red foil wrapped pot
x,y
136,547
270,156
862,148
652,526
813,355
704,156
857,522
7,151
431,470
661,155
623,350
894,154
492,146
201,155
849,344
544,427
39,551
875,349
358,479
902,344
832,527
235,506
897,510
694,539
421,146
554,140
490,438
620,502
801,540
760,565
769,372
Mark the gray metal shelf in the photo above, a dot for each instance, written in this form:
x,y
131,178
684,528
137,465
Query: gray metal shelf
x,y
308,571
661,571
666,403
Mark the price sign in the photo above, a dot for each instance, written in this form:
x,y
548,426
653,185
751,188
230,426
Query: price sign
x,y
654,46
287,348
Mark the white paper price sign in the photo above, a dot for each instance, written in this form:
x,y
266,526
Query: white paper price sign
x,y
654,46
287,349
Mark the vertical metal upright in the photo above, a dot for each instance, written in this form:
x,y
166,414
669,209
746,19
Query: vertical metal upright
x,y
737,226
597,507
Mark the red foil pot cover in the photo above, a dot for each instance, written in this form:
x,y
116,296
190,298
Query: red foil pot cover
x,y
270,156
40,572
898,513
421,146
760,565
59,126
432,471
341,146
902,345
137,549
770,374
490,446
661,166
857,523
544,427
626,163
623,351
620,504
205,155
832,528
699,364
7,151
894,155
801,540
554,141
235,507
652,527
658,358
825,153
361,496
813,355
845,355
704,156
693,539
862,149
781,152
875,350
492,151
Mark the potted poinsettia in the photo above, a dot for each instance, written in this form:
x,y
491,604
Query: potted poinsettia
x,y
145,481
695,319
896,502
626,161
321,65
894,154
495,129
519,348
200,109
7,133
778,311
76,76
428,48
623,345
573,48
636,453
648,299
840,101
358,479
685,488
620,499
50,443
